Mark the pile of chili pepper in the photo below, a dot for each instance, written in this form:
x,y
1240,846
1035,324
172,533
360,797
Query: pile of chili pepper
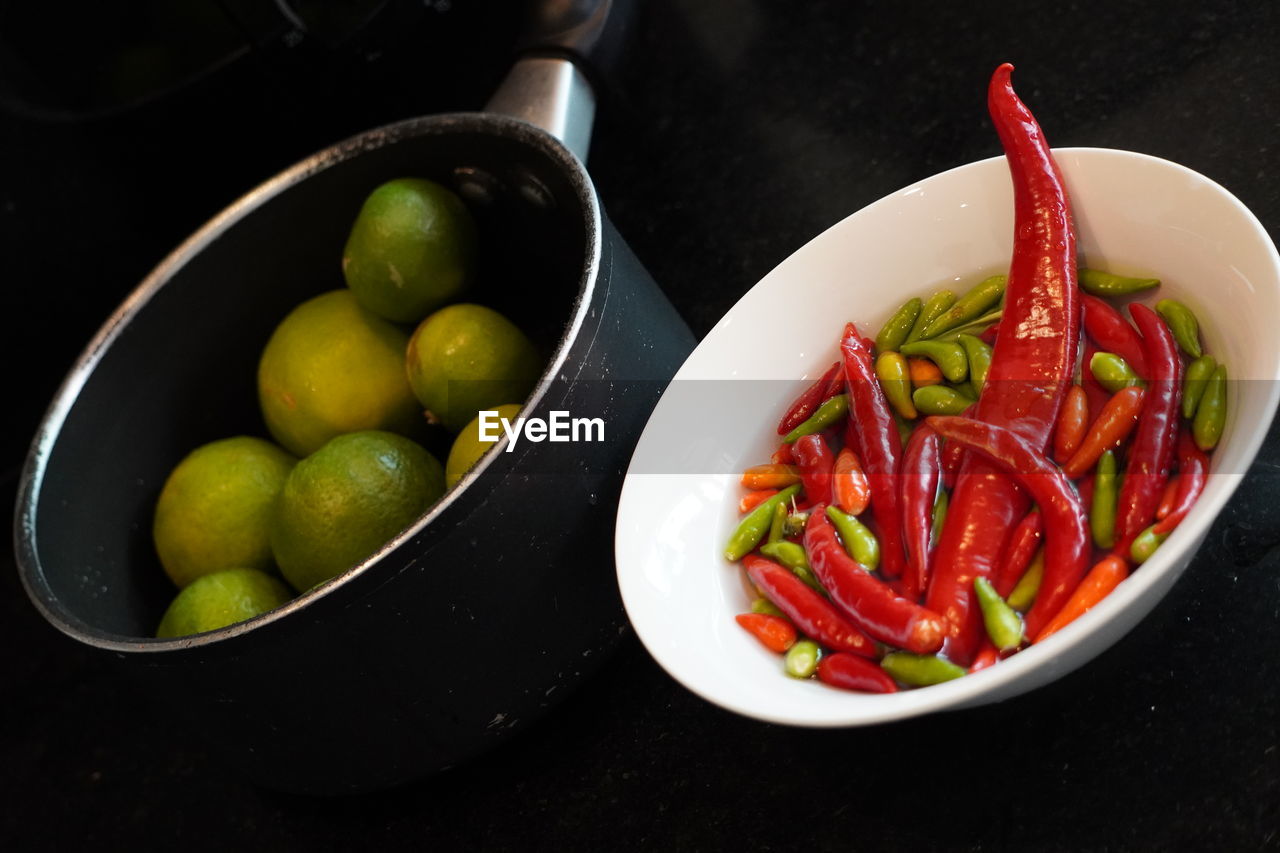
x,y
985,470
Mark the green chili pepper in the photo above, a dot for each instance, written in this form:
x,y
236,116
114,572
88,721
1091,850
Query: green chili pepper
x,y
968,307
1146,544
1198,374
1211,414
1003,623
795,523
978,353
859,541
940,400
894,332
753,527
1183,324
939,516
919,670
949,357
932,308
764,605
1101,283
778,524
793,556
1106,489
801,660
830,412
1113,372
1024,592
895,379
976,327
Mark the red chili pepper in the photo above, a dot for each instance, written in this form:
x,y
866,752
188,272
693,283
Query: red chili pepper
x,y
1031,367
1097,585
1066,548
783,455
1149,458
776,633
850,672
1112,426
873,435
1113,333
816,462
991,333
1168,497
816,617
952,457
849,487
869,603
1073,424
828,385
1017,555
1096,394
987,656
1193,473
921,470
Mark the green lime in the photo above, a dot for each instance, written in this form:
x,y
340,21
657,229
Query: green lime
x,y
220,599
343,502
332,367
412,249
465,358
469,446
214,511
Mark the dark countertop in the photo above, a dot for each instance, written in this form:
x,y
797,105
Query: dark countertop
x,y
730,134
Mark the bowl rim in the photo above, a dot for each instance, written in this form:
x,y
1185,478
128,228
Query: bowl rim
x,y
25,525
1037,664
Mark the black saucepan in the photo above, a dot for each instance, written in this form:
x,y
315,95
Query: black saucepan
x,y
486,611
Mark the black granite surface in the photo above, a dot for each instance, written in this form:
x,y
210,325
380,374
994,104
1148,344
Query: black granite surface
x,y
730,133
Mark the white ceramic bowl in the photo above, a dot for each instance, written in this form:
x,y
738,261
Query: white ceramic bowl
x,y
1134,214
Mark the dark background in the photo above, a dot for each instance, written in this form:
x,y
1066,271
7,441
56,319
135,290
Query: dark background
x,y
729,134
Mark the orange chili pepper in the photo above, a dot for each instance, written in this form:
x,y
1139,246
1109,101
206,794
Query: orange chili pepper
x,y
923,372
849,485
1073,423
1168,497
1112,426
783,455
751,500
771,476
776,633
1097,585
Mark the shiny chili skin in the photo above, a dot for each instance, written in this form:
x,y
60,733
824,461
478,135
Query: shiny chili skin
x,y
816,617
869,603
1067,543
1031,368
1148,461
816,463
1073,424
1193,473
828,385
1118,417
921,470
1112,333
851,672
873,435
1017,556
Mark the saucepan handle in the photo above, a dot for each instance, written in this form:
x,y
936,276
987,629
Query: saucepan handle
x,y
548,86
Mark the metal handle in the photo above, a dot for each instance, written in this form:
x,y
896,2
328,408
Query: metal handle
x,y
553,94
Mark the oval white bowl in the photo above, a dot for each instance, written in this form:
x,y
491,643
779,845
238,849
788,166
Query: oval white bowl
x,y
1134,214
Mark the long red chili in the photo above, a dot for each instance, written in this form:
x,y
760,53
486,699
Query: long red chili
x,y
828,385
1193,473
816,463
1150,455
1066,547
869,603
921,470
1031,367
1113,333
810,612
874,437
952,455
1017,556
